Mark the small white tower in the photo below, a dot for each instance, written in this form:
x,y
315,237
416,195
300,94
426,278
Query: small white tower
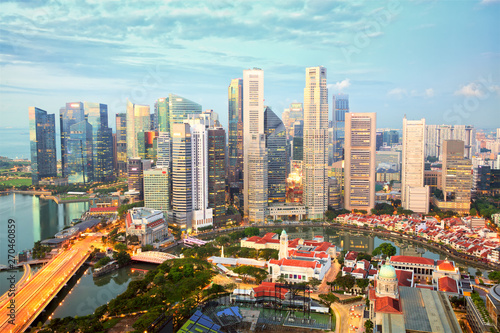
x,y
222,252
283,253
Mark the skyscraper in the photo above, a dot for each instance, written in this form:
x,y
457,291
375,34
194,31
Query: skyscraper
x,y
217,171
79,148
277,159
255,154
359,182
157,189
121,143
146,145
412,171
315,142
179,108
340,108
182,187
202,215
135,172
138,120
164,150
457,176
42,144
162,117
71,114
235,131
102,141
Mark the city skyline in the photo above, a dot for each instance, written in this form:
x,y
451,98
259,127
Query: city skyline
x,y
401,57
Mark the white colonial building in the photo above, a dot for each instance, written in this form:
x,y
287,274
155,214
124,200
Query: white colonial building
x,y
148,224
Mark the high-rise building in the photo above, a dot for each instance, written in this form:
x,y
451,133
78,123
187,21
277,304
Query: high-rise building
x,y
412,171
334,193
277,158
138,120
255,154
182,176
135,172
457,176
79,148
390,137
359,186
164,150
71,114
315,179
217,171
379,140
102,141
202,215
437,134
146,145
294,187
235,133
340,108
121,143
115,156
162,116
291,115
42,144
179,108
157,189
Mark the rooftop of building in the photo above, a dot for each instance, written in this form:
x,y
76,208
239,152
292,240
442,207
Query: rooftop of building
x,y
412,260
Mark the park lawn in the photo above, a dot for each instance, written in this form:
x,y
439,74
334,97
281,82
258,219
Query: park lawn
x,y
77,197
16,182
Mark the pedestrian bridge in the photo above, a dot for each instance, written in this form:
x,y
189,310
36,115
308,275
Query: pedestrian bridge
x,y
153,257
189,241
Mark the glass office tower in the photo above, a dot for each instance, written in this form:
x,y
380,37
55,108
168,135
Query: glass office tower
x,y
69,115
276,156
42,144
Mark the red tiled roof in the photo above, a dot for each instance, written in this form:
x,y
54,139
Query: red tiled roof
x,y
269,235
351,255
323,247
295,263
359,271
422,286
103,209
253,239
347,269
447,284
372,272
412,260
387,305
445,265
404,277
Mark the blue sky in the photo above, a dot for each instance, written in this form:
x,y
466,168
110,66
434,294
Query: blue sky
x,y
434,59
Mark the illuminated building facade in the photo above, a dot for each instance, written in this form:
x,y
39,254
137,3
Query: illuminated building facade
x,y
42,144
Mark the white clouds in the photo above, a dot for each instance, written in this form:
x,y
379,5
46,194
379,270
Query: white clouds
x,y
397,93
472,89
429,92
340,86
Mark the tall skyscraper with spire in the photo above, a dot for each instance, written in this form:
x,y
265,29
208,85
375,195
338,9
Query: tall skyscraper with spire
x,y
255,153
315,179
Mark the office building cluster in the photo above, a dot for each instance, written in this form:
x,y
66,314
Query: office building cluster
x,y
181,161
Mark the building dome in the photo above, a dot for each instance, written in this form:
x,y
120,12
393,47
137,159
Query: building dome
x,y
283,233
387,272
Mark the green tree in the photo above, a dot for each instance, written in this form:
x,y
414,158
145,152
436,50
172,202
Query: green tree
x,y
120,247
122,258
473,212
329,298
494,276
102,262
258,274
479,273
368,326
252,231
313,282
386,249
147,247
362,283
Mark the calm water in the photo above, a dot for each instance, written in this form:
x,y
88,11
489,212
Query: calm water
x,y
15,143
35,220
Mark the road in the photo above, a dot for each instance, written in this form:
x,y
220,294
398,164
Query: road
x,y
34,295
330,276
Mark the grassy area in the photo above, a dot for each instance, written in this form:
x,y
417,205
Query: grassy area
x,y
73,197
16,182
110,323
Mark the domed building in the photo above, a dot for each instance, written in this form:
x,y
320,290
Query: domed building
x,y
387,282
